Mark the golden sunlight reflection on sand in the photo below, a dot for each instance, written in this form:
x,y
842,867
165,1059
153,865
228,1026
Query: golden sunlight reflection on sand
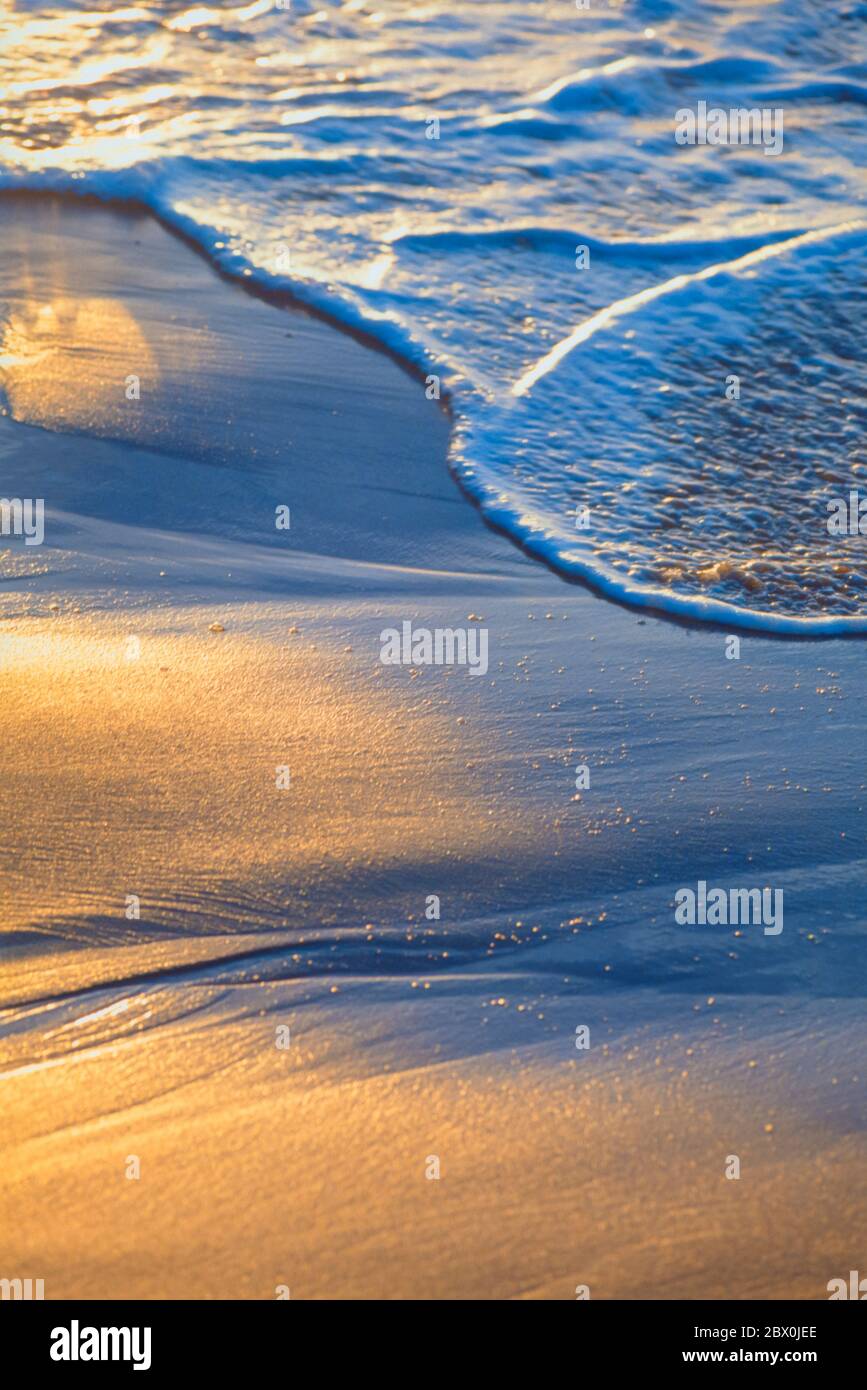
x,y
163,746
63,361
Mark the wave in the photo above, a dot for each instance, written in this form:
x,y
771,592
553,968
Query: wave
x,y
436,217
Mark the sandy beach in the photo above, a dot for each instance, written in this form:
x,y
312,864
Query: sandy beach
x,y
167,651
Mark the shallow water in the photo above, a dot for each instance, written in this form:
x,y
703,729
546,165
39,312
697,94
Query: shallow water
x,y
293,145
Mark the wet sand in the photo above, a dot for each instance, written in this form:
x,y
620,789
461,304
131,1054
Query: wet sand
x,y
141,748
